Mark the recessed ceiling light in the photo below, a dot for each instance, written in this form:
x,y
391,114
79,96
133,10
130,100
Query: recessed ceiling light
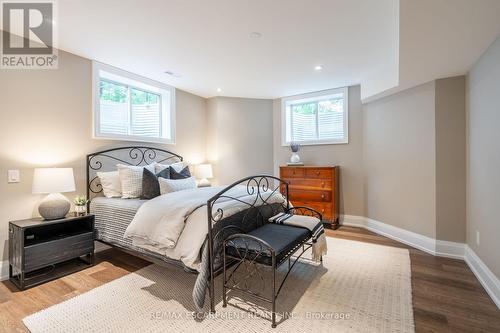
x,y
219,90
170,73
318,68
255,34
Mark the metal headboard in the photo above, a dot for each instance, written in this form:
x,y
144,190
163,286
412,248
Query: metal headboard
x,y
106,160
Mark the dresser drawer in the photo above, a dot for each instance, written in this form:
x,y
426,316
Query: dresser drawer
x,y
324,208
59,250
309,184
306,196
319,173
292,172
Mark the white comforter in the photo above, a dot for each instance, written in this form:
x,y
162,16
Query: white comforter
x,y
175,224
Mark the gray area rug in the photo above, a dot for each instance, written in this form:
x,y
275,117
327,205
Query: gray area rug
x,y
358,288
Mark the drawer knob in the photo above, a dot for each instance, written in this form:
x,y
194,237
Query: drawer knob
x,y
322,196
323,184
317,173
323,210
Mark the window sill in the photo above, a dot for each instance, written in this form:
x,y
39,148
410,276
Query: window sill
x,y
134,139
318,143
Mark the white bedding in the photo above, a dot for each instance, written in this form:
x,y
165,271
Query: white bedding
x,y
175,224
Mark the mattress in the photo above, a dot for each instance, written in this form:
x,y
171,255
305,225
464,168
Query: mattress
x,y
112,217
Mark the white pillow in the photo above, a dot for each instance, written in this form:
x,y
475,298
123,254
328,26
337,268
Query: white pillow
x,y
111,185
174,185
178,166
131,179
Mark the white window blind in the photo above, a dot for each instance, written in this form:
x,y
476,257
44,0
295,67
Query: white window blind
x,y
132,109
317,118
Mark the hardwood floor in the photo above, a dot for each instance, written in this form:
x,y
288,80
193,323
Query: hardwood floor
x,y
446,295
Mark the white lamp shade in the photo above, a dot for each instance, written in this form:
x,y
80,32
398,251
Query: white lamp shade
x,y
53,180
203,171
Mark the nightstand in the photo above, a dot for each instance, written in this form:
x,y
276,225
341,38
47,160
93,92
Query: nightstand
x,y
40,251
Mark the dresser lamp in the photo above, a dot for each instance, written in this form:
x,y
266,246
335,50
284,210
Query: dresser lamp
x,y
203,172
53,181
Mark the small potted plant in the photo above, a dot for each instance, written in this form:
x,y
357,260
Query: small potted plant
x,y
80,204
295,158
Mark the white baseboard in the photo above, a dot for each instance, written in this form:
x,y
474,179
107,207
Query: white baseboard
x,y
450,249
4,270
489,281
430,245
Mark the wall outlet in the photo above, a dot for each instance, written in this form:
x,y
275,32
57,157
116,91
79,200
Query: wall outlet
x,y
478,239
13,176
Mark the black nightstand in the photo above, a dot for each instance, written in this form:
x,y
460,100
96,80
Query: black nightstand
x,y
40,251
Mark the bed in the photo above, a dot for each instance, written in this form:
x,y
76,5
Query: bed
x,y
225,211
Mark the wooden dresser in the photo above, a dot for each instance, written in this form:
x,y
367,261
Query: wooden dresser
x,y
315,187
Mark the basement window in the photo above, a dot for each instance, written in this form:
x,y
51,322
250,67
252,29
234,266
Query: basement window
x,y
315,118
130,107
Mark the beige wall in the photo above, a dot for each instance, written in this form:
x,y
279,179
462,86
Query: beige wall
x,y
414,159
483,159
46,120
399,156
240,136
401,166
348,156
405,161
450,159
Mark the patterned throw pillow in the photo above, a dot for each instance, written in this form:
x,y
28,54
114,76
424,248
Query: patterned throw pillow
x,y
178,166
174,185
150,184
184,173
131,179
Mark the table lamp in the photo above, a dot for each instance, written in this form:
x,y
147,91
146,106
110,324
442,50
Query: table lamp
x,y
203,172
53,181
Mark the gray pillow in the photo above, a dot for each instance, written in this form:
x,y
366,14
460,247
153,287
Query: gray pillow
x,y
150,185
184,173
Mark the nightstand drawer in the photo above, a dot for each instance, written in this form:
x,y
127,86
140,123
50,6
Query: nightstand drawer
x,y
59,250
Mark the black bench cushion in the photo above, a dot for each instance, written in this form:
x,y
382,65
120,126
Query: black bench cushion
x,y
282,238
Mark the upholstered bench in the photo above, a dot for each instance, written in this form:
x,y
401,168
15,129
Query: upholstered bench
x,y
270,245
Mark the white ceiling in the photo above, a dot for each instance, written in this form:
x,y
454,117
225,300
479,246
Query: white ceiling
x,y
443,38
381,44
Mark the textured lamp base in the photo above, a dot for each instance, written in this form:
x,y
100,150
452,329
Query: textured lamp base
x,y
54,206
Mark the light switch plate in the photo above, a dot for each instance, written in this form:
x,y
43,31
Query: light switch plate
x,y
14,176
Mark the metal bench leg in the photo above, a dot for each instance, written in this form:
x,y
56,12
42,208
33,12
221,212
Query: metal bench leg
x,y
273,325
224,302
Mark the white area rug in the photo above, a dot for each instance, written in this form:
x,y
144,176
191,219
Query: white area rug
x,y
359,288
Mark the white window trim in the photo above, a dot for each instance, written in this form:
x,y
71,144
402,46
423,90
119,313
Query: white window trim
x,y
284,100
96,67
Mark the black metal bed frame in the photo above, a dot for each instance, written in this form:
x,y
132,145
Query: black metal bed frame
x,y
220,227
136,156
